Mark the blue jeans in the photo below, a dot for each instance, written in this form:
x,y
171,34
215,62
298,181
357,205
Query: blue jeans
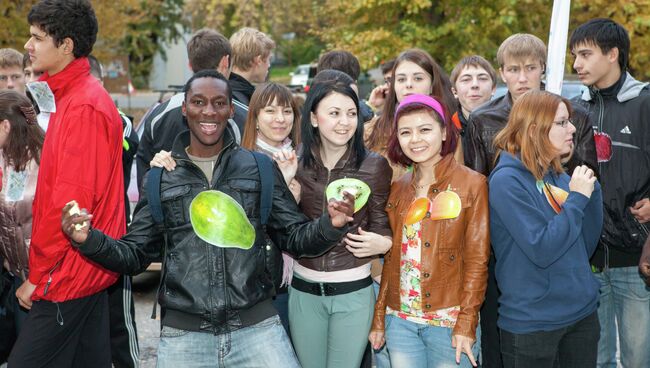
x,y
418,345
624,302
382,357
265,344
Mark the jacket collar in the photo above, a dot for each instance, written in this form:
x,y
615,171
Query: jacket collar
x,y
242,86
625,89
343,161
77,68
442,170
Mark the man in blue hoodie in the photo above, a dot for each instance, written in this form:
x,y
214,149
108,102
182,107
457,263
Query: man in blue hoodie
x,y
619,107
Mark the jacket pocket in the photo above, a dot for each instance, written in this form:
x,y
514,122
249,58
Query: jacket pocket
x,y
450,262
247,193
175,204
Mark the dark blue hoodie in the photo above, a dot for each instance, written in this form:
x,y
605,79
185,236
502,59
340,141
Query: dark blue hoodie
x,y
542,266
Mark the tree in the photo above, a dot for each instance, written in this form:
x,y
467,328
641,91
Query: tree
x,y
275,18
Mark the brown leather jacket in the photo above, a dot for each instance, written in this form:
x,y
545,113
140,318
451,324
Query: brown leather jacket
x,y
374,171
455,253
16,200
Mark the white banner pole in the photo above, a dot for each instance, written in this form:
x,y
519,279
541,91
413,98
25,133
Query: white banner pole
x,y
557,43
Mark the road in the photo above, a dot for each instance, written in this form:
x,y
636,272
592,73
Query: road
x,y
144,294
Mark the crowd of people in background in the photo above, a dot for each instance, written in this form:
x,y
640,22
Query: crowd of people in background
x,y
506,231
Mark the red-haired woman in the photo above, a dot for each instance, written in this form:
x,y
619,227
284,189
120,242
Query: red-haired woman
x,y
544,228
435,275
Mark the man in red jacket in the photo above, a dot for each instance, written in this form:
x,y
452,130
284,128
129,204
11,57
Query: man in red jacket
x,y
81,159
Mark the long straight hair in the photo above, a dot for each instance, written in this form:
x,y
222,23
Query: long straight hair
x,y
264,96
25,139
311,140
440,90
531,119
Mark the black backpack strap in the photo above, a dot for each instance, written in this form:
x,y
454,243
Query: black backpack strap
x,y
265,168
155,205
153,194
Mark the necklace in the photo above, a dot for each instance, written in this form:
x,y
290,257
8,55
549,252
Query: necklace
x,y
423,185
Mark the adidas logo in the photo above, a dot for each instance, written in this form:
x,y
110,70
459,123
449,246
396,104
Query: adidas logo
x,y
626,130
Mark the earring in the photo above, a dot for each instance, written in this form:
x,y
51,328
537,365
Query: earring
x,y
257,127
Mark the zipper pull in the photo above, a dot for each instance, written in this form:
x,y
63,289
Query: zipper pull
x,y
47,285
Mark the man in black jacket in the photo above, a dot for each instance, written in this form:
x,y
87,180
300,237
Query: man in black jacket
x,y
522,61
216,302
206,50
251,60
619,107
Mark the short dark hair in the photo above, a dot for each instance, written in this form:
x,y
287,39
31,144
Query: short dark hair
x,y
310,135
61,19
95,67
206,48
331,75
340,60
207,73
476,61
387,66
606,34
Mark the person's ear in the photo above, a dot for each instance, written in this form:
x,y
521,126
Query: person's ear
x,y
232,110
224,65
184,109
612,55
503,77
444,134
314,121
68,46
5,125
453,90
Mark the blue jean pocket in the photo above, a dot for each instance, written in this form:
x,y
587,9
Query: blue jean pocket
x,y
172,332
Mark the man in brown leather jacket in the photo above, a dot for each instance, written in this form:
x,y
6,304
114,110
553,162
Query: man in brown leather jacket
x,y
522,62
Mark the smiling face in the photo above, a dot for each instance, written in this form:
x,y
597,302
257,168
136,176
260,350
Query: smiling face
x,y
274,123
336,120
420,136
410,78
45,55
521,75
207,110
473,88
562,130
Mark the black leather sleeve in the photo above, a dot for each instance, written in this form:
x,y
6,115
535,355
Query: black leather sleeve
x,y
131,254
475,157
292,231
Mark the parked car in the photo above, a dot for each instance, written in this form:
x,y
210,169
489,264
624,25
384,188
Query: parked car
x,y
570,88
302,76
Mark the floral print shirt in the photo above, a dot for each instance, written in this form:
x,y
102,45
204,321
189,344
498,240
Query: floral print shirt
x,y
410,289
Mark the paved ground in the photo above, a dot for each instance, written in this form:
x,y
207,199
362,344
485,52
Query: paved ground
x,y
144,293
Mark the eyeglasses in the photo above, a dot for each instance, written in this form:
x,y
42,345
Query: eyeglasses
x,y
563,123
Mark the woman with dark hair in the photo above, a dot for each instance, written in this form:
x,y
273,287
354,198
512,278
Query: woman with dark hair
x,y
544,228
434,278
414,71
331,296
21,141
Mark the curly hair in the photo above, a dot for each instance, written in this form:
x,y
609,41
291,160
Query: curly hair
x,y
61,19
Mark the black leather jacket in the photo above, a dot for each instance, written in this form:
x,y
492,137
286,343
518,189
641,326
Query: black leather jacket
x,y
489,119
205,287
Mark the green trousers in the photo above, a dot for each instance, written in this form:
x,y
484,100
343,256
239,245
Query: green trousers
x,y
330,331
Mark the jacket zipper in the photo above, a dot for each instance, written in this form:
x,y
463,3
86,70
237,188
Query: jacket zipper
x,y
49,277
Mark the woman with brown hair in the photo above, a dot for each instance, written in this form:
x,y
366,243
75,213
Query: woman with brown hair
x,y
544,227
21,141
414,71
